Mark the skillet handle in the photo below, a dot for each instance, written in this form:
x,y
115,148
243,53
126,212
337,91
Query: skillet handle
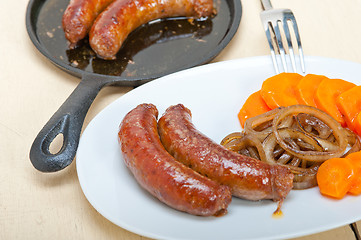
x,y
68,121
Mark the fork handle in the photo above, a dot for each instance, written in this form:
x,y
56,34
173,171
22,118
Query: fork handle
x,y
266,4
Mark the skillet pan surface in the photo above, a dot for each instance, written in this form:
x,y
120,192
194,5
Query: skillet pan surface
x,y
153,50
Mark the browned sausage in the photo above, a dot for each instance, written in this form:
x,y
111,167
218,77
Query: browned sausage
x,y
79,17
115,23
248,178
160,174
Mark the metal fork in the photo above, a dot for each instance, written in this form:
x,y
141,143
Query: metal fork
x,y
273,20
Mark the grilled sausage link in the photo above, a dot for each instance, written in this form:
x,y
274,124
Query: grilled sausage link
x,y
79,16
248,178
115,23
160,174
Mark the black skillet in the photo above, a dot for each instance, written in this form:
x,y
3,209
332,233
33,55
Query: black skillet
x,y
151,51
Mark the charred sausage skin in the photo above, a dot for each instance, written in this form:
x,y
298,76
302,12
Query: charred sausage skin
x,y
248,178
160,174
79,16
120,18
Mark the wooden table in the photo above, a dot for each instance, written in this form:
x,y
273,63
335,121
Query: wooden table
x,y
35,205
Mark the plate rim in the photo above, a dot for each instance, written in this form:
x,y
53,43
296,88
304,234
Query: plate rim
x,y
258,59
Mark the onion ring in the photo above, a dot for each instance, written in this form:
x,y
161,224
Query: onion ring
x,y
299,137
304,171
338,132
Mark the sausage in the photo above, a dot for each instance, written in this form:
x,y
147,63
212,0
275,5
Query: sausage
x,y
248,178
79,16
115,23
160,174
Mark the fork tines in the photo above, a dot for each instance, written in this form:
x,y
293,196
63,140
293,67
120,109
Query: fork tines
x,y
276,23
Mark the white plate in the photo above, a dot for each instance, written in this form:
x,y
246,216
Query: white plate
x,y
214,93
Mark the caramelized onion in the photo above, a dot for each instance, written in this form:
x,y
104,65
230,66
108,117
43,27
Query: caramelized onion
x,y
244,144
231,138
311,124
304,171
299,137
353,140
338,133
260,125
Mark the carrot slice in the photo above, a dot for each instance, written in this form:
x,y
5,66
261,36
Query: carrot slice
x,y
355,188
307,89
355,160
326,94
280,90
349,104
357,124
254,106
334,177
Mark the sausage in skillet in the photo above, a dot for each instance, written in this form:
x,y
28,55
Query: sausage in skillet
x,y
79,17
114,24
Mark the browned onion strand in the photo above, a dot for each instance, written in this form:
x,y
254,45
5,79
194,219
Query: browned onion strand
x,y
246,145
313,125
303,170
251,124
354,142
231,138
299,137
337,130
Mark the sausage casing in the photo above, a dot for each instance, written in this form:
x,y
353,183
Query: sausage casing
x,y
79,16
115,23
160,174
248,178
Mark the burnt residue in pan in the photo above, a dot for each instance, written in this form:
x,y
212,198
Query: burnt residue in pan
x,y
141,40
154,48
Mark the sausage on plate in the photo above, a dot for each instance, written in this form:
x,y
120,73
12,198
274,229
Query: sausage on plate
x,y
160,174
115,23
248,178
79,16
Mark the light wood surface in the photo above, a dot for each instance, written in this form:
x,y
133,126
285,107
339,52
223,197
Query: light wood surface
x,y
34,205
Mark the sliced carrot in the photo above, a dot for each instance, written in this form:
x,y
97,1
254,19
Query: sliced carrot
x,y
355,188
357,124
254,105
334,177
349,104
326,94
280,90
306,89
355,160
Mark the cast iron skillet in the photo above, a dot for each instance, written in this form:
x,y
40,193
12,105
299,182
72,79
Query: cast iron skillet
x,y
151,51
